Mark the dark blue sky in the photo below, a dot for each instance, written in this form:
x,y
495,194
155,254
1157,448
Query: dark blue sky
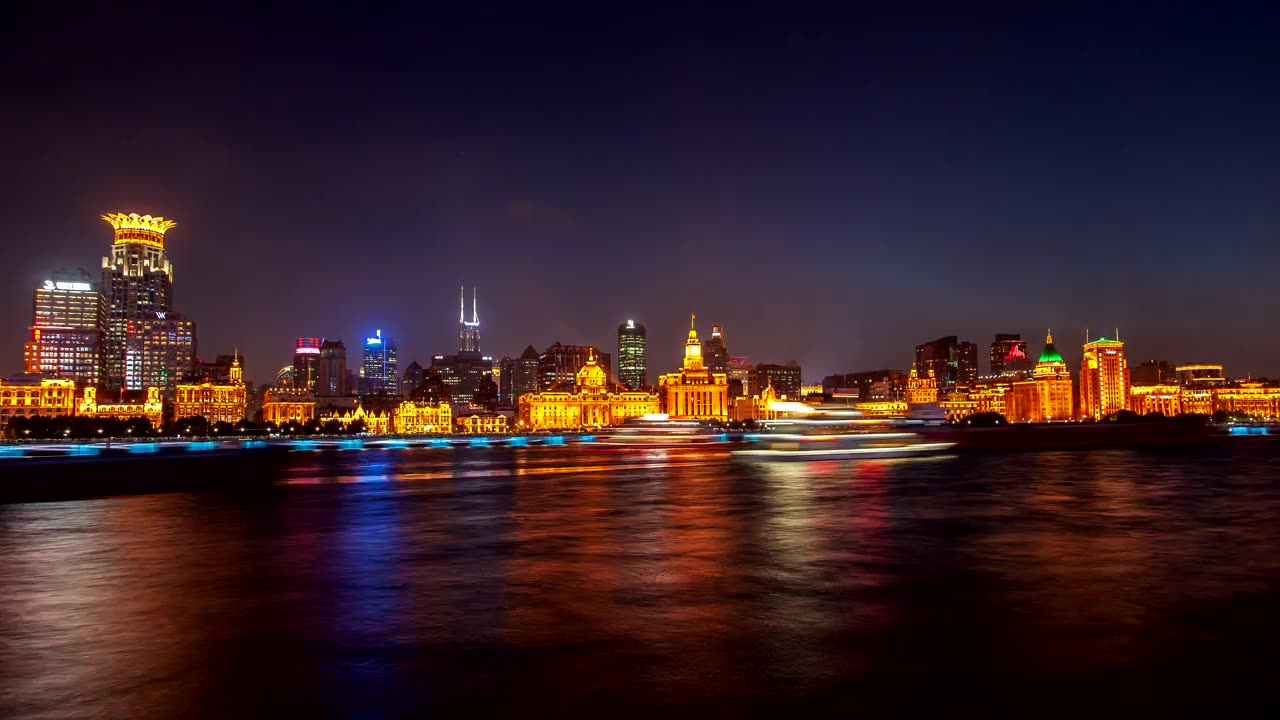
x,y
834,188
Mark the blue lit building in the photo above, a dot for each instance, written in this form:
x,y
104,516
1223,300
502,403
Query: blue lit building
x,y
378,373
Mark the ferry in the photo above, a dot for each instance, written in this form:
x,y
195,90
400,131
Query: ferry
x,y
659,430
807,433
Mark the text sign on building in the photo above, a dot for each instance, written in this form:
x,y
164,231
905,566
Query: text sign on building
x,y
79,286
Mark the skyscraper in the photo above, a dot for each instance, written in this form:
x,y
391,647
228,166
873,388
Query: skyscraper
x,y
468,331
953,362
306,363
137,281
332,370
69,316
785,379
633,355
159,350
1006,345
1104,379
379,366
558,365
714,353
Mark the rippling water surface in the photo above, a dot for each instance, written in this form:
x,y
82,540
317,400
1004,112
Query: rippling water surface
x,y
561,580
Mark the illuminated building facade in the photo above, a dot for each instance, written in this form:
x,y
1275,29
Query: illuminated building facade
x,y
419,418
1146,399
215,402
1200,375
785,379
558,365
285,406
633,355
592,405
375,423
468,330
36,396
481,423
1049,396
1006,345
759,408
467,377
149,406
693,392
1249,398
984,398
921,390
379,371
331,370
714,353
159,350
1196,401
69,317
306,363
882,408
1104,379
137,281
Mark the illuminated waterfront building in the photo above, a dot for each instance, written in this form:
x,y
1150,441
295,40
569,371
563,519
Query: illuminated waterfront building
x,y
377,422
285,406
882,408
758,408
1104,379
785,379
1146,399
306,363
591,405
985,398
159,350
69,317
1200,375
1048,396
693,392
216,371
921,390
148,406
420,418
137,282
214,401
1006,345
558,365
714,353
379,369
481,422
633,355
1249,398
468,330
36,396
331,371
1196,401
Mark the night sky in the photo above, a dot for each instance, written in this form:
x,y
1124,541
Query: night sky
x,y
833,188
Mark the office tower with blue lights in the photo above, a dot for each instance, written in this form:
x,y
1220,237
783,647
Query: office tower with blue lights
x,y
379,369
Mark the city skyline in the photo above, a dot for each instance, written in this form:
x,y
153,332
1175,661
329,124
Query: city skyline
x,y
883,179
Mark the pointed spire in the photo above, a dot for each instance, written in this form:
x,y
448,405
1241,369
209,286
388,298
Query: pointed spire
x,y
1048,336
475,316
591,354
462,304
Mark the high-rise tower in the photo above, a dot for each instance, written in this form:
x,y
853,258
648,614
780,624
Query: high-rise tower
x,y
714,352
633,355
468,331
380,365
68,319
1104,379
137,281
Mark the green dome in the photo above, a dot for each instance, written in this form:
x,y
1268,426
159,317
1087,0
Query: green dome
x,y
1050,354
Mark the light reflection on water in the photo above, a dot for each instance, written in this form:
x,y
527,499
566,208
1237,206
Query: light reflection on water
x,y
370,582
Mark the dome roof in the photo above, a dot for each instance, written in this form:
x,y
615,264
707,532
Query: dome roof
x,y
591,374
1050,354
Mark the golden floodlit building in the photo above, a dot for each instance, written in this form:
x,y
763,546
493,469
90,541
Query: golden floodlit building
x,y
694,392
592,405
921,390
1249,398
375,423
286,406
36,396
215,402
1104,379
420,418
988,398
152,408
1160,398
1048,396
481,422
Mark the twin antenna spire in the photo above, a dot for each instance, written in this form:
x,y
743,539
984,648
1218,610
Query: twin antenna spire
x,y
462,307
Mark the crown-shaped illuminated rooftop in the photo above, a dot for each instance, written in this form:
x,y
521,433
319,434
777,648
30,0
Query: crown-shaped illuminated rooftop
x,y
133,227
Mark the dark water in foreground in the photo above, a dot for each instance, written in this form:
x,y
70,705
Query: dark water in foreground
x,y
549,581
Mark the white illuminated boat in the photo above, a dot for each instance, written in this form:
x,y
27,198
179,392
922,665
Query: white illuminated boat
x,y
660,431
839,446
